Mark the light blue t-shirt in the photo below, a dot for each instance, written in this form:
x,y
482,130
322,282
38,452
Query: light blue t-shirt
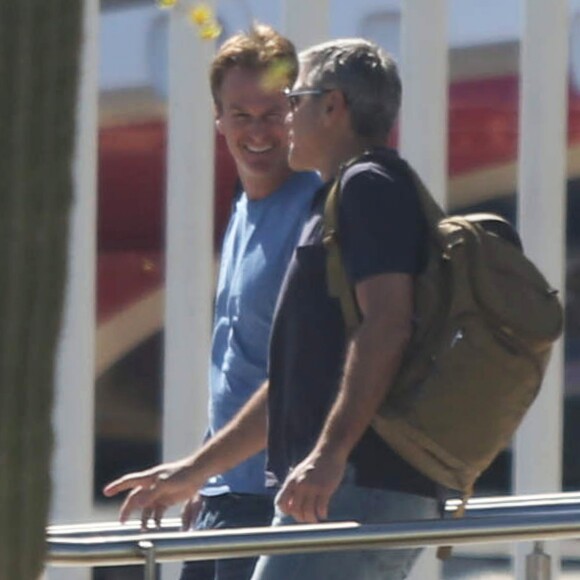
x,y
258,244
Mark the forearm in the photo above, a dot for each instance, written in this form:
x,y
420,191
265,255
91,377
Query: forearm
x,y
244,436
372,361
157,488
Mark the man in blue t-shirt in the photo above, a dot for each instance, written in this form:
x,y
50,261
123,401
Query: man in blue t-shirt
x,y
314,414
247,77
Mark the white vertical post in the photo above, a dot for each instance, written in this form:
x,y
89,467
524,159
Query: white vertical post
x,y
541,218
423,124
306,23
189,239
425,76
189,242
73,417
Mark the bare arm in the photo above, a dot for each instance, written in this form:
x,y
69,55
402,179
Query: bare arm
x,y
372,361
156,489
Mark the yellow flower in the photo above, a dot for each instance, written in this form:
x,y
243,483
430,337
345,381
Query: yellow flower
x,y
201,15
165,4
277,75
207,24
210,31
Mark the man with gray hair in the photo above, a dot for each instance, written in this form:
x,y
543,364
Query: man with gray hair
x,y
324,385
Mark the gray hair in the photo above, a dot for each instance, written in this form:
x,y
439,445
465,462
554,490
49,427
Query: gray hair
x,y
366,75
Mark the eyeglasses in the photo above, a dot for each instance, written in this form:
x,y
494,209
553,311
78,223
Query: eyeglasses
x,y
294,97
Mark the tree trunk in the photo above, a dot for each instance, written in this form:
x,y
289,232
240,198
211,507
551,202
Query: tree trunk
x,y
39,54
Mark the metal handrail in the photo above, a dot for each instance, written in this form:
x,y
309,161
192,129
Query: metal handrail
x,y
537,504
242,542
522,504
548,517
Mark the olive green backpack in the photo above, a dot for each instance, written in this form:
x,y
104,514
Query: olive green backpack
x,y
485,322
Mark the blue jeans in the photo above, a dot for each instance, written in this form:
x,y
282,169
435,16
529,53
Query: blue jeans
x,y
364,505
230,510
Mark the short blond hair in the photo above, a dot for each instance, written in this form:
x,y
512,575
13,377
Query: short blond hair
x,y
257,50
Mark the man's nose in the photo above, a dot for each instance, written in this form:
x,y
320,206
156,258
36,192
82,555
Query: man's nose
x,y
259,128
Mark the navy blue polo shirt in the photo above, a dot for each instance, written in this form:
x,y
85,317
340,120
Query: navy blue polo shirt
x,y
382,229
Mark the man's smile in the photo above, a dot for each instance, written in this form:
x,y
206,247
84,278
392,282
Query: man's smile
x,y
254,149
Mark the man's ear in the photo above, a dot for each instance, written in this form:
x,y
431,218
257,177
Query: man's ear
x,y
218,125
335,101
335,104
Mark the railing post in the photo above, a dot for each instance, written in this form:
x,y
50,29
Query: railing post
x,y
538,564
425,71
148,550
542,227
423,135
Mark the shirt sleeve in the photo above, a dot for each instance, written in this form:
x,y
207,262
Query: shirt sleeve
x,y
382,228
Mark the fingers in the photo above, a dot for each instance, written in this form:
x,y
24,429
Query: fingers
x,y
306,504
190,512
145,515
186,517
128,481
285,496
310,508
321,508
304,508
138,499
158,512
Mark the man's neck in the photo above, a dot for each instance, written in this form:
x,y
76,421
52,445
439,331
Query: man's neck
x,y
259,188
343,151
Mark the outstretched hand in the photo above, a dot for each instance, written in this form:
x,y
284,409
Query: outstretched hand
x,y
154,490
190,511
308,488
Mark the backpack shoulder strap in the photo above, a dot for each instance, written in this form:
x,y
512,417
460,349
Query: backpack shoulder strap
x,y
336,276
337,279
